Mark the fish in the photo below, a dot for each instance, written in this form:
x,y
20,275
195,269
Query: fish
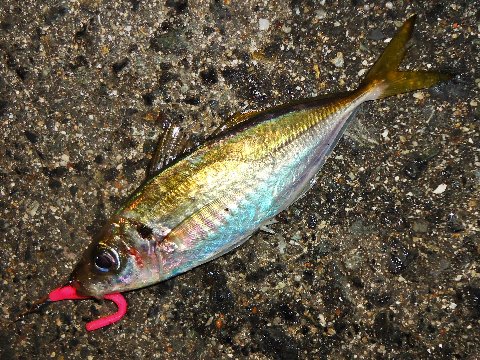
x,y
201,202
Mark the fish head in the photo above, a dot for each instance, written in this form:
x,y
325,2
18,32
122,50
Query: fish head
x,y
119,259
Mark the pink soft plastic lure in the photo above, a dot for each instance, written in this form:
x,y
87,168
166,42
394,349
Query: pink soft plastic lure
x,y
68,292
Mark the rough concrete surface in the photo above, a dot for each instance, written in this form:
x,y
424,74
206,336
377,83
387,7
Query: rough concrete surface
x,y
381,259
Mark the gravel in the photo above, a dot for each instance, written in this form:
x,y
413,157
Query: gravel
x,y
380,260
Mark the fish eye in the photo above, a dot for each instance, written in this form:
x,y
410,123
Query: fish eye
x,y
106,260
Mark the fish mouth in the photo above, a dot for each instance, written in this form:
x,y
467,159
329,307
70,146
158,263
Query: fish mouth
x,y
80,289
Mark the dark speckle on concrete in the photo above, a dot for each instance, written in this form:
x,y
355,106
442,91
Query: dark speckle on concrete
x,y
275,343
380,260
148,98
209,76
120,65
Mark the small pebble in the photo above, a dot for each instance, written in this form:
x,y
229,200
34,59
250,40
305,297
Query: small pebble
x,y
419,95
338,60
440,189
320,14
376,34
263,24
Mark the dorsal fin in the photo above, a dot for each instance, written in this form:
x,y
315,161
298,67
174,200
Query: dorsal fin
x,y
234,120
172,143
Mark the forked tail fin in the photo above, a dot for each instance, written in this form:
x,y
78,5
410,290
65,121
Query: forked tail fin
x,y
384,79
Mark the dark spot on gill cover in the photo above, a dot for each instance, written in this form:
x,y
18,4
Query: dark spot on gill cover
x,y
144,231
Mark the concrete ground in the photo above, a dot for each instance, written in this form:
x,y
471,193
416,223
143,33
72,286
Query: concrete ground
x,y
381,259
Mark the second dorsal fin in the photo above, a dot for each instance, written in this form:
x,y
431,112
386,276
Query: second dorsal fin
x,y
234,120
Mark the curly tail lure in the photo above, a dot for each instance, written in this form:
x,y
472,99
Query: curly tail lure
x,y
199,202
68,292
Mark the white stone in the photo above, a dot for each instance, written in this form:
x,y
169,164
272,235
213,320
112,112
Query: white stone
x,y
263,24
338,60
440,189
